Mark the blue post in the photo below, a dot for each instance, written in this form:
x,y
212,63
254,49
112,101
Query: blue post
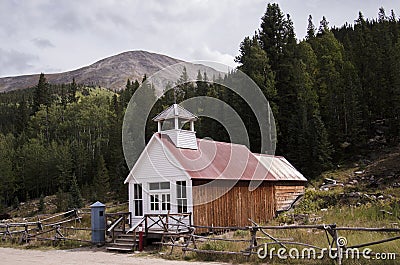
x,y
98,220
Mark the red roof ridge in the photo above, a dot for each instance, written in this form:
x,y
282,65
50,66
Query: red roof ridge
x,y
219,142
268,155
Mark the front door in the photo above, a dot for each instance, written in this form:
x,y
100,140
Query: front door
x,y
160,197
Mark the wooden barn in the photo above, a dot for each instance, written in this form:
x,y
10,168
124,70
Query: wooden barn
x,y
178,173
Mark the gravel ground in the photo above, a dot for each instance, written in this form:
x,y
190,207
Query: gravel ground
x,y
80,256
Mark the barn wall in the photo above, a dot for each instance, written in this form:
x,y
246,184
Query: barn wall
x,y
286,194
235,207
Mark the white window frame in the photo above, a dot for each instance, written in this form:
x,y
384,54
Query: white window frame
x,y
182,196
159,196
154,202
165,201
138,199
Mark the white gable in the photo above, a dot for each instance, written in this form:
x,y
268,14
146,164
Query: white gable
x,y
155,162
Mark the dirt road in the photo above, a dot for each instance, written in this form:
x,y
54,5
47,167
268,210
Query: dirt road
x,y
11,256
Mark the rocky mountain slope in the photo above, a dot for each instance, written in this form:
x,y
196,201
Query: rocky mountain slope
x,y
111,72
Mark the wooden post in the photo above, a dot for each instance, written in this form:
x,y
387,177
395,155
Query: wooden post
x,y
123,223
338,246
146,229
166,222
253,243
140,237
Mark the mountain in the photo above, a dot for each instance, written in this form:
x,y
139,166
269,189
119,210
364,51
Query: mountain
x,y
111,72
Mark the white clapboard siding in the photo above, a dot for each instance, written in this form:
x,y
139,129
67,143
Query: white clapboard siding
x,y
187,139
172,134
182,138
157,162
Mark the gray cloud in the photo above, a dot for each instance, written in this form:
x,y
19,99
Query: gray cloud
x,y
42,43
82,32
16,61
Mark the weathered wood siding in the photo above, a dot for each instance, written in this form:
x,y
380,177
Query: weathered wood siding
x,y
234,207
286,194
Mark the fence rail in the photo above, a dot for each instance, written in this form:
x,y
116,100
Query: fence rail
x,y
49,228
192,242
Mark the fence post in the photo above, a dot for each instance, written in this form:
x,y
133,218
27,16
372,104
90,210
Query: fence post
x,y
253,232
338,246
141,237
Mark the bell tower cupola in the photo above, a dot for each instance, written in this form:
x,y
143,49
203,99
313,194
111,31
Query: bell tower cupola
x,y
172,122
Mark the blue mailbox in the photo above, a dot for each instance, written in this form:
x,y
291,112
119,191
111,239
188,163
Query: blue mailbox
x,y
98,219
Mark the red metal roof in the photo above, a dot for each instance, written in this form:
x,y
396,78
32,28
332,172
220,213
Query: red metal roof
x,y
280,167
219,160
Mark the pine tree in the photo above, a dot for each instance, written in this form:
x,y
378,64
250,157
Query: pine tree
x,y
254,62
76,200
41,94
41,206
310,29
382,15
63,199
73,87
272,34
184,89
101,182
323,26
16,202
8,181
22,116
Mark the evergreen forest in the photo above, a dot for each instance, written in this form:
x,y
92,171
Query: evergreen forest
x,y
335,96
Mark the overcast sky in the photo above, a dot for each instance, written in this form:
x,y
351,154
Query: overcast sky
x,y
53,36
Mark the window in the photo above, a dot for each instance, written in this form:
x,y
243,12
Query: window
x,y
159,186
138,199
165,202
154,202
181,196
160,199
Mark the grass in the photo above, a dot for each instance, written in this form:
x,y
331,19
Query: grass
x,y
338,208
73,235
310,236
66,231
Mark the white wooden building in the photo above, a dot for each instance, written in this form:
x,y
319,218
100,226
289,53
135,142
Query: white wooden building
x,y
170,174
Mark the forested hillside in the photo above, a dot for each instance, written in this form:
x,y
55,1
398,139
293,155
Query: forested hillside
x,y
336,93
61,139
335,97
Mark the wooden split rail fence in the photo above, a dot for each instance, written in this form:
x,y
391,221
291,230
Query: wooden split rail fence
x,y
260,236
51,228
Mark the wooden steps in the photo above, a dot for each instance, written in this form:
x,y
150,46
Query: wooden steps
x,y
124,243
